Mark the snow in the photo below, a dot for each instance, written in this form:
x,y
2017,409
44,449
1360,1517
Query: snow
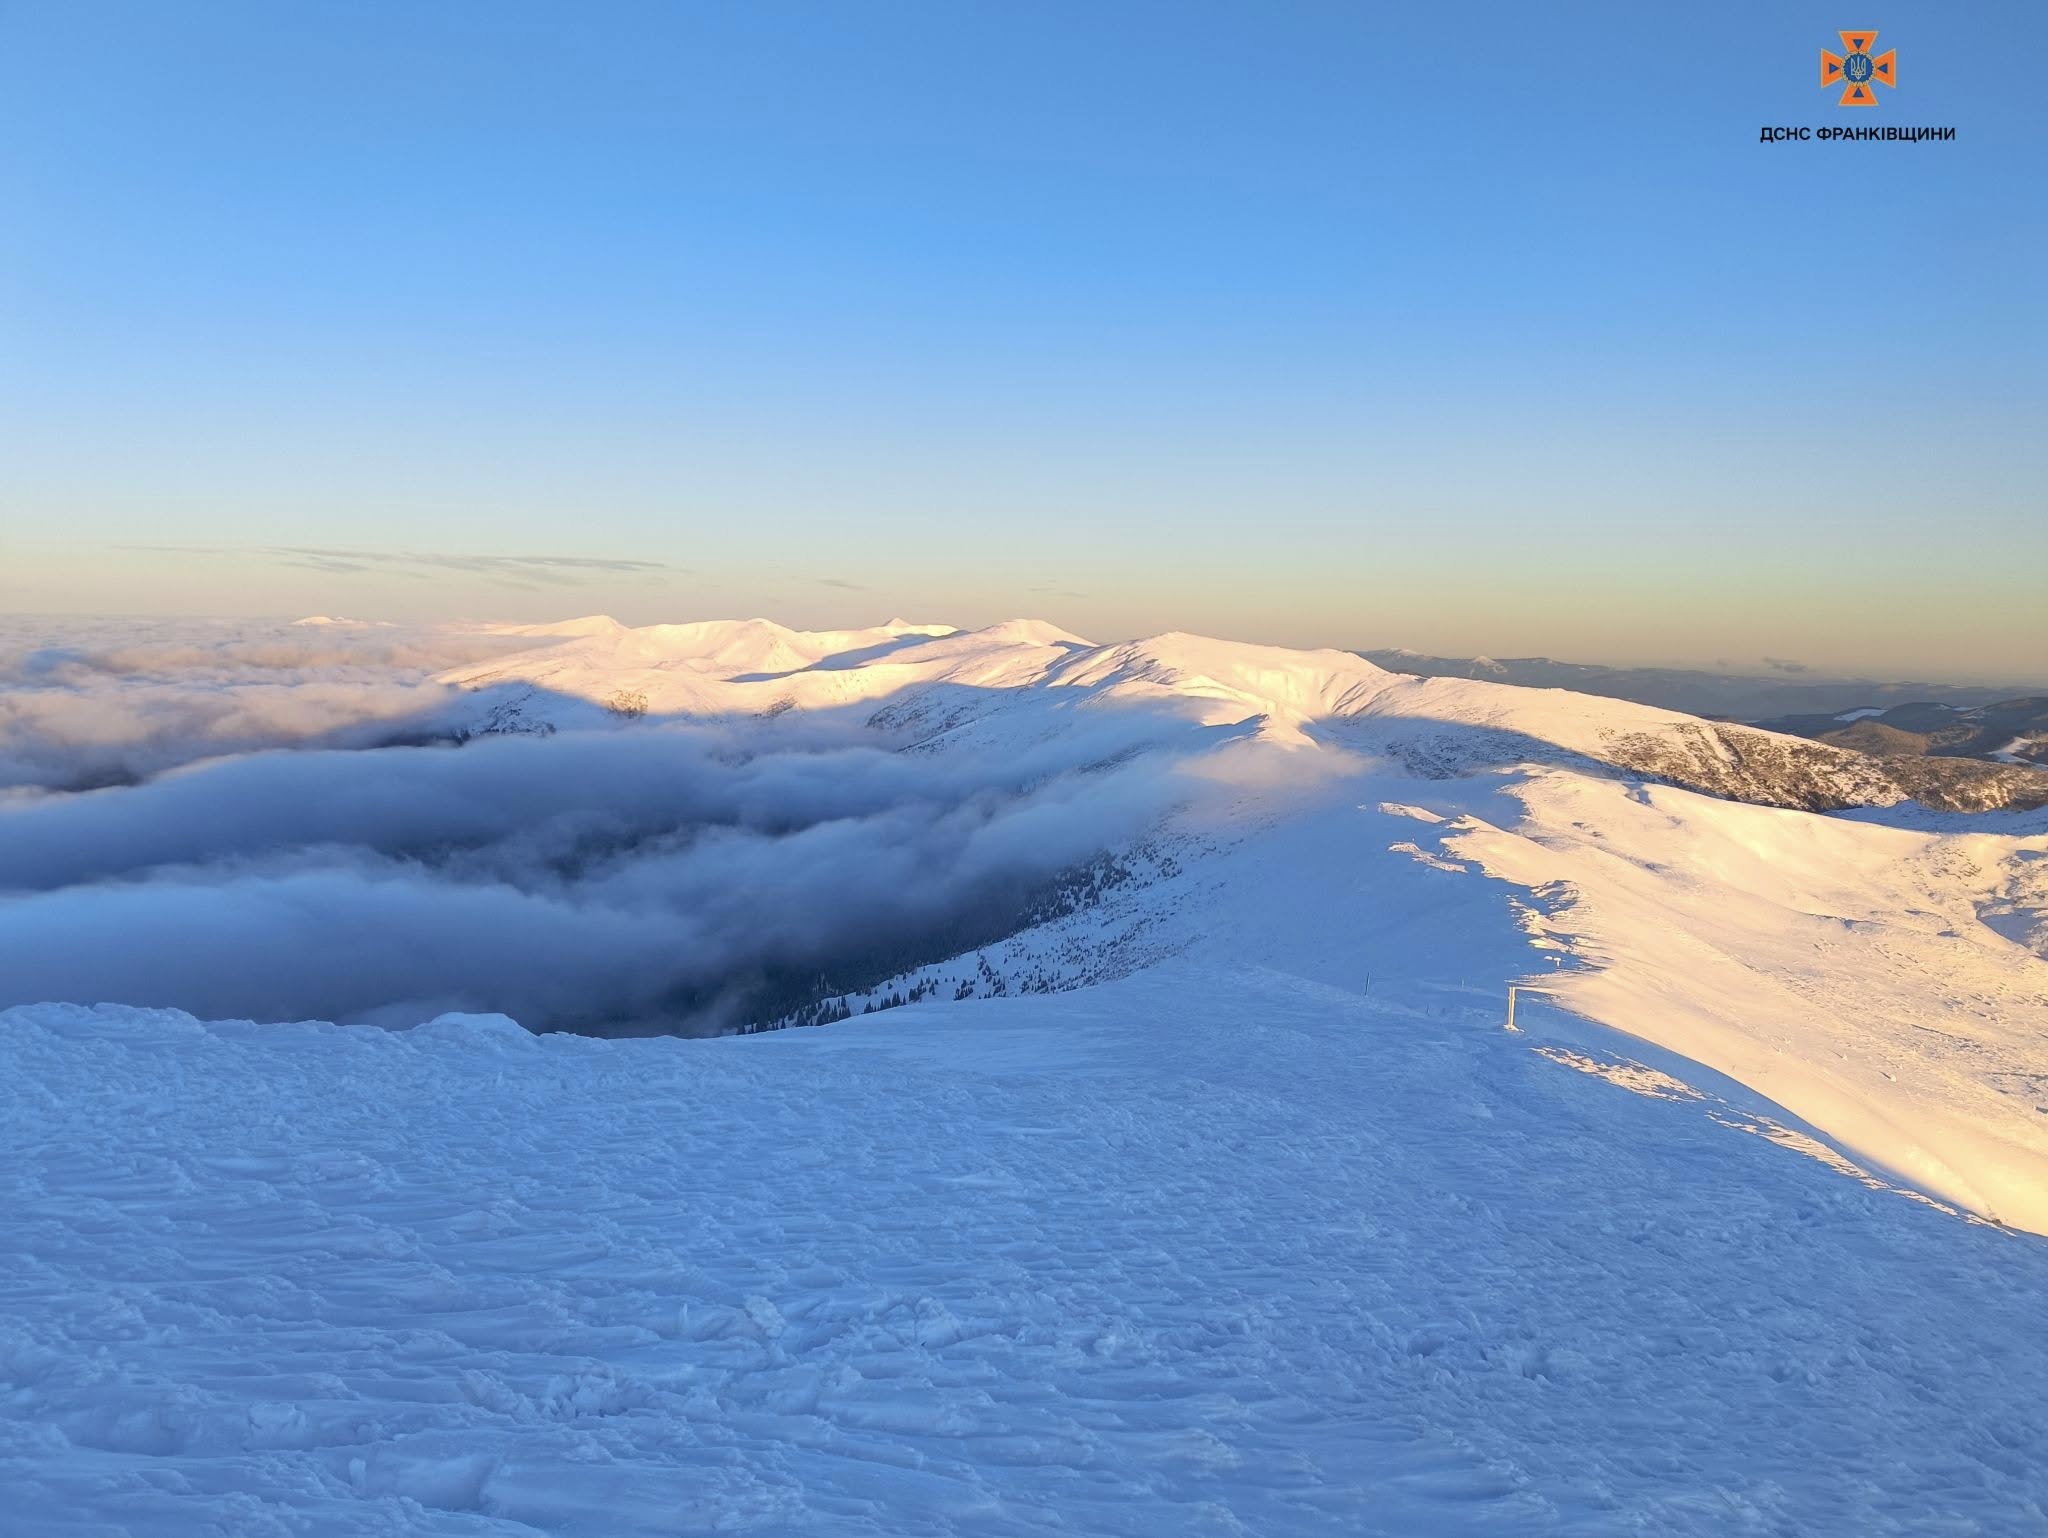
x,y
736,668
1846,971
1207,1250
1262,1224
1858,715
1883,983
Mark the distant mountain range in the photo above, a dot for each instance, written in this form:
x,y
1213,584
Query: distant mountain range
x,y
1862,715
2009,732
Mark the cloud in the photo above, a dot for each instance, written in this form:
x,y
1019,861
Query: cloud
x,y
635,877
841,582
504,570
1779,664
85,703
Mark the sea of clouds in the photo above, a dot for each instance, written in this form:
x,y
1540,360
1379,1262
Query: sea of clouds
x,y
86,703
273,823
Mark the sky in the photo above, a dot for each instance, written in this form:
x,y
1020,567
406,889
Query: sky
x,y
1475,328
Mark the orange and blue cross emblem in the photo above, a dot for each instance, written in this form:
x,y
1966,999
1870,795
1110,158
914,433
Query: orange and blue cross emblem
x,y
1859,73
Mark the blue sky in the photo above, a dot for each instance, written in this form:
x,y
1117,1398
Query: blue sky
x,y
1474,328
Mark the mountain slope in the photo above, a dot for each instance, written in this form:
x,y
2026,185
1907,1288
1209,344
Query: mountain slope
x,y
1721,696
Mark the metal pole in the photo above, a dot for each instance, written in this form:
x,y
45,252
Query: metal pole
x,y
1514,989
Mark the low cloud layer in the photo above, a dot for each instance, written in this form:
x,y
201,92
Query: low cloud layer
x,y
637,878
87,703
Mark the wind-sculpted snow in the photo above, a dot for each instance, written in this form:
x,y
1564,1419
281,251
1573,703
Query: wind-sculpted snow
x,y
1211,1250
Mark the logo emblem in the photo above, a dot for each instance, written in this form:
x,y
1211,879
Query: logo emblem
x,y
1859,72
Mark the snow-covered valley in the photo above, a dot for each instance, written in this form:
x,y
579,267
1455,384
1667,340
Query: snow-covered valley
x,y
1169,1168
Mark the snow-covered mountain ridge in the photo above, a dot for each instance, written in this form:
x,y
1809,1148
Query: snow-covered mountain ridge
x,y
739,668
725,824
1910,1028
